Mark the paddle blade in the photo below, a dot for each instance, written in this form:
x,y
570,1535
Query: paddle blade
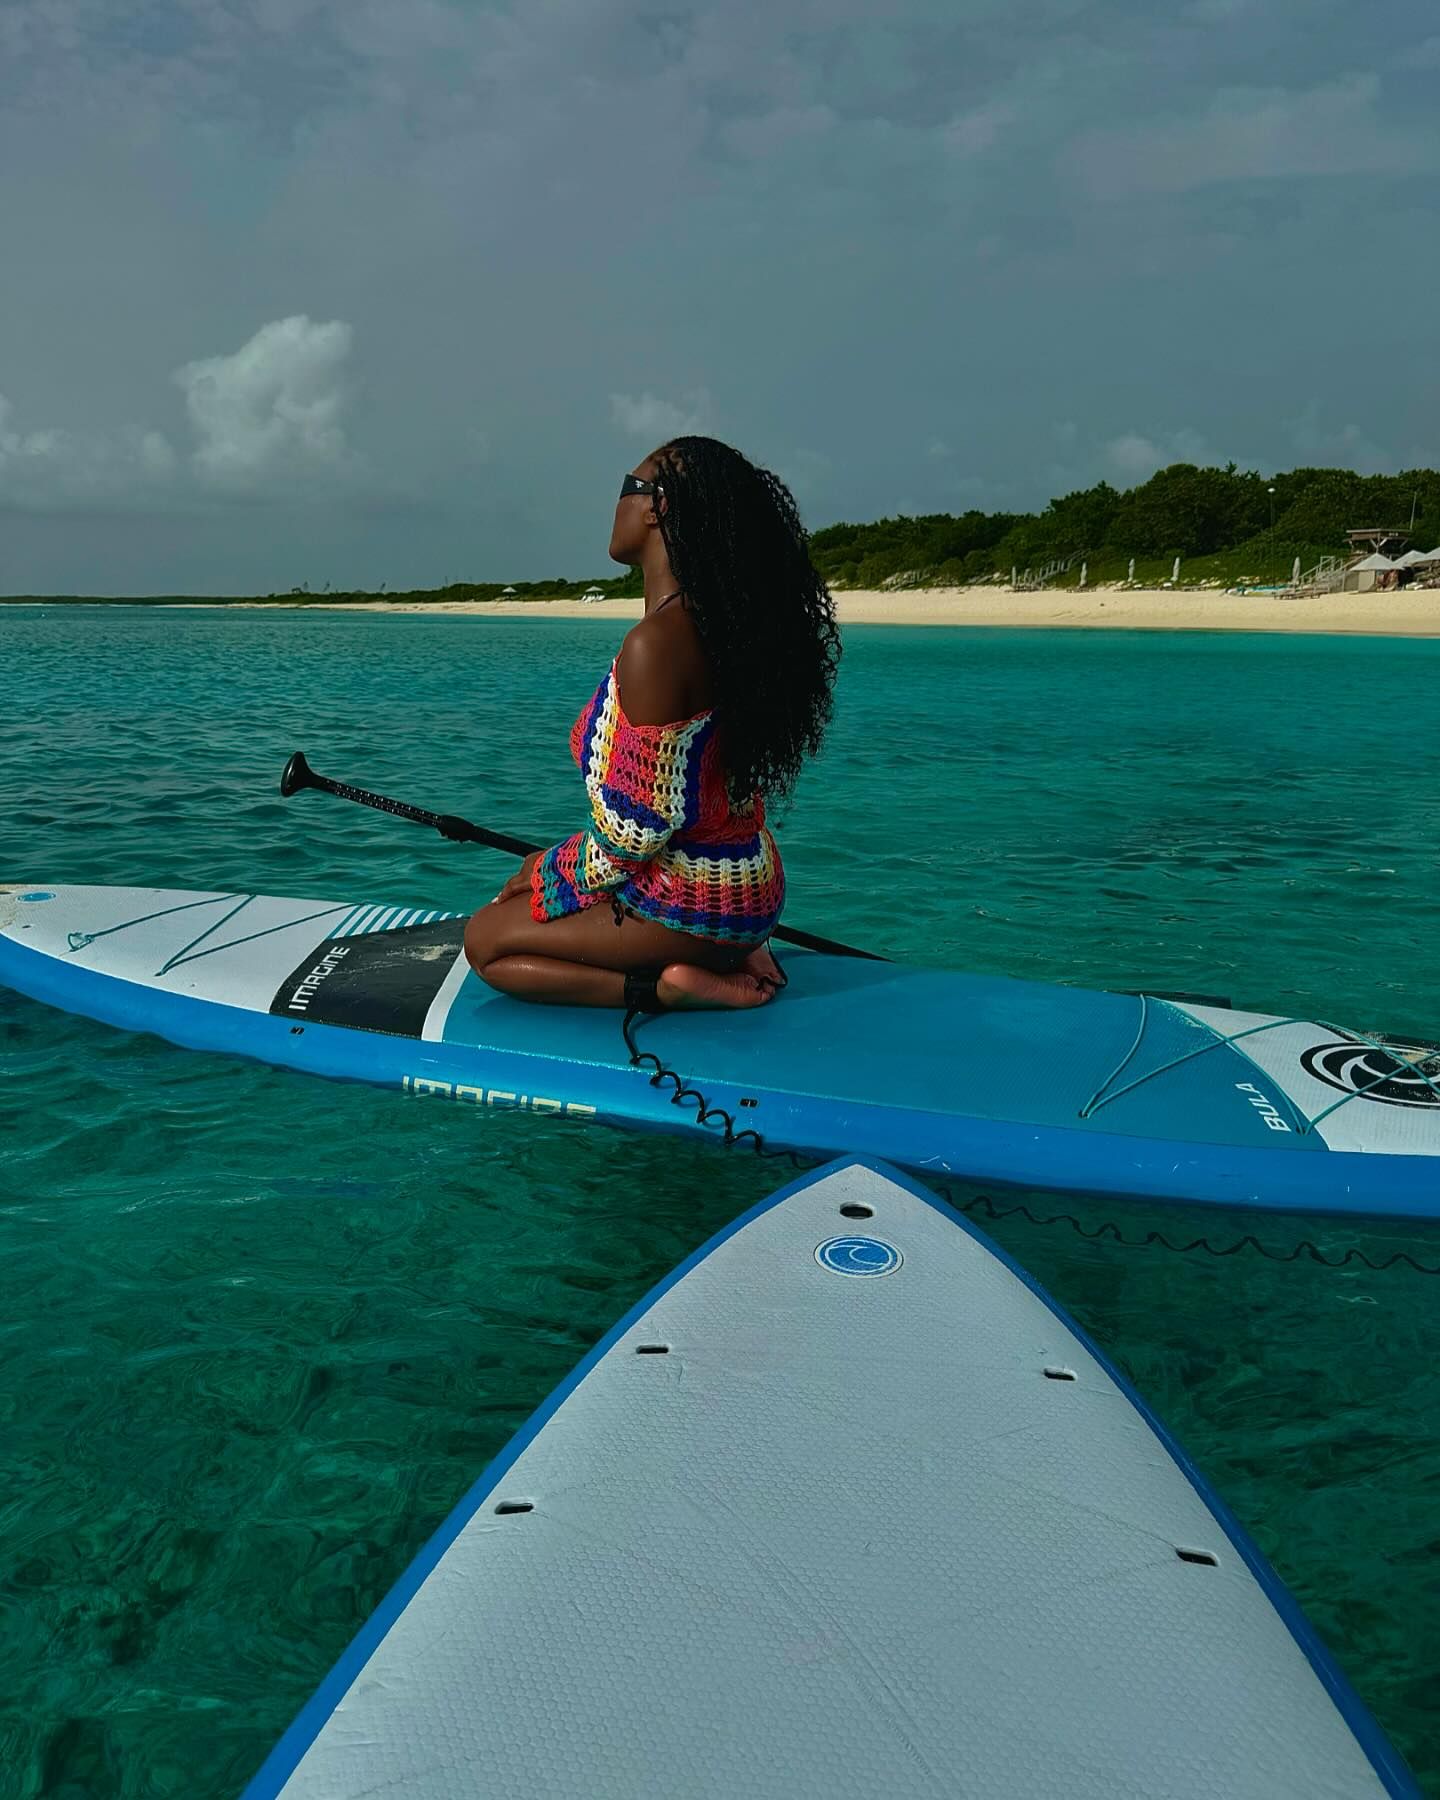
x,y
297,774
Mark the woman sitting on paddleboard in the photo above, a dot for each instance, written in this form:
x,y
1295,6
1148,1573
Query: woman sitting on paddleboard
x,y
667,896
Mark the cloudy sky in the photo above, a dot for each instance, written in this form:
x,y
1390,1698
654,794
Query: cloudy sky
x,y
370,291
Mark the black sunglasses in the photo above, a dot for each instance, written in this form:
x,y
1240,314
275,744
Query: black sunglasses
x,y
632,484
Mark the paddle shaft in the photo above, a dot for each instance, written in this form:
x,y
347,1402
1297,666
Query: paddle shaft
x,y
298,774
447,824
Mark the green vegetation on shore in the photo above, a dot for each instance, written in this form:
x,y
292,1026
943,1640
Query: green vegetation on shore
x,y
619,587
1227,526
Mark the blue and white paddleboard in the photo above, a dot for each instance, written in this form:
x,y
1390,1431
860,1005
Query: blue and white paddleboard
x,y
846,1507
972,1076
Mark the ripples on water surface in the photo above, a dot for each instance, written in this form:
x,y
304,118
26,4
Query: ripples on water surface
x,y
260,1331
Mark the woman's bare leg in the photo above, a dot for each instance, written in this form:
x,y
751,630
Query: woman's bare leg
x,y
582,959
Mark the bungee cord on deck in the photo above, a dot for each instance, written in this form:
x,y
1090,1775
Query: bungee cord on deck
x,y
1107,1230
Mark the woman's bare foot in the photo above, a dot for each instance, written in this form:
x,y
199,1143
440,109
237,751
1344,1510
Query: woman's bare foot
x,y
685,987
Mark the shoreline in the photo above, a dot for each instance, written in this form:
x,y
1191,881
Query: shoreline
x,y
1407,613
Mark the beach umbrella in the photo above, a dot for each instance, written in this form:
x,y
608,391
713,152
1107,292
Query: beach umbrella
x,y
1295,574
1375,561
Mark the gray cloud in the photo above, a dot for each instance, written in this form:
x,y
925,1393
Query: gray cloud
x,y
555,230
1133,457
271,411
1259,134
266,419
1320,439
651,419
55,469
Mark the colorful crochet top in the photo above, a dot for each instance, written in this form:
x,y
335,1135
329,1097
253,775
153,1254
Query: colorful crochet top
x,y
663,838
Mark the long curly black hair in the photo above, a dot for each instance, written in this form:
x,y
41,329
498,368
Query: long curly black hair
x,y
766,620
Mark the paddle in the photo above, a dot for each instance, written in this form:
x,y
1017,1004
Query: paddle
x,y
298,774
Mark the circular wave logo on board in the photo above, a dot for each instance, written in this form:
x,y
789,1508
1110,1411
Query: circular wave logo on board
x,y
1373,1074
858,1256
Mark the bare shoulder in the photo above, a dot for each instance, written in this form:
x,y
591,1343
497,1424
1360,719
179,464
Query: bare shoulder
x,y
662,671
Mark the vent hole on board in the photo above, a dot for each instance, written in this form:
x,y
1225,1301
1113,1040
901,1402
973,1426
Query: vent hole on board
x,y
652,1349
852,1209
746,1101
297,1031
515,1506
1207,1558
1057,1374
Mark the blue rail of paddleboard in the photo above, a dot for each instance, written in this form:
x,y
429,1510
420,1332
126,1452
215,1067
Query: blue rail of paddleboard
x,y
548,1062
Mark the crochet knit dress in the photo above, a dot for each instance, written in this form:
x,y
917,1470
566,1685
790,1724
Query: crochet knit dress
x,y
664,840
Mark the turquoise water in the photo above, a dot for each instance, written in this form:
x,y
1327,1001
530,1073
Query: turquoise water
x,y
259,1332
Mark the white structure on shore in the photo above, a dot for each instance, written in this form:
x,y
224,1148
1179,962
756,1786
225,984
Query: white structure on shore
x,y
1363,577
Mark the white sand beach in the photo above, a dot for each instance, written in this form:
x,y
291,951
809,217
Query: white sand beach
x,y
1408,613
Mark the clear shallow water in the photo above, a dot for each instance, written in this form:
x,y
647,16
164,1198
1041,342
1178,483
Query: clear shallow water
x,y
258,1332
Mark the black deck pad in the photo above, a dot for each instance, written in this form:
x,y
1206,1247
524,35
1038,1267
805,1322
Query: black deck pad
x,y
382,981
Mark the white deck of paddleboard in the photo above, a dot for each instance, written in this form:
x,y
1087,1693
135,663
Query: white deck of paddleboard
x,y
848,1534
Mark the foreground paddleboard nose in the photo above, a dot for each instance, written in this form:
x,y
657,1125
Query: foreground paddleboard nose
x,y
845,1507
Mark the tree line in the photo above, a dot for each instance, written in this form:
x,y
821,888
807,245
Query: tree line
x,y
1184,511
